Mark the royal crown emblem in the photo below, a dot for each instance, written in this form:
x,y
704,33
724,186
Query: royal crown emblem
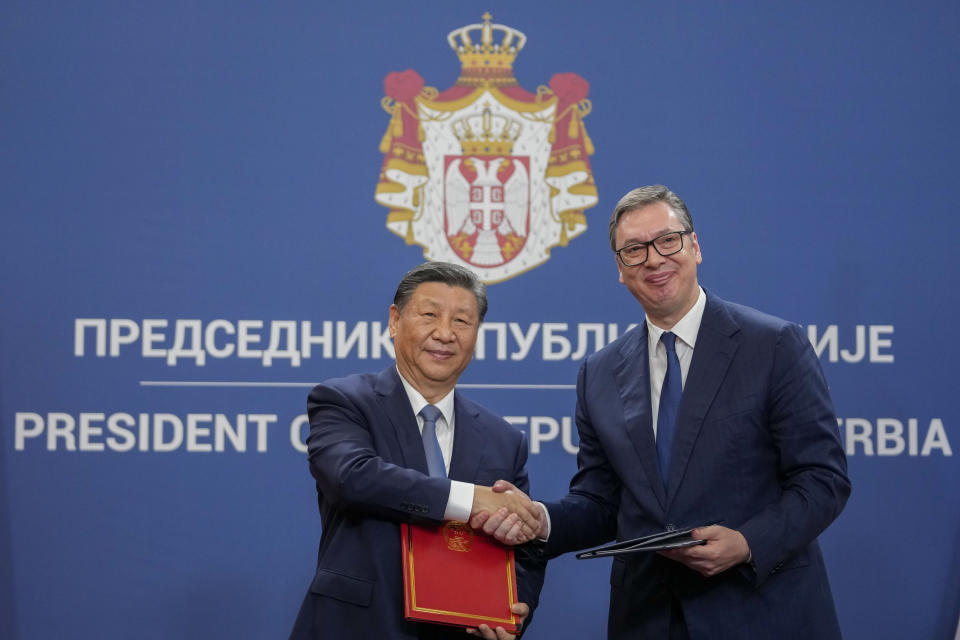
x,y
486,174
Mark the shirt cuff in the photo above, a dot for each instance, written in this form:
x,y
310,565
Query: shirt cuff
x,y
460,501
546,515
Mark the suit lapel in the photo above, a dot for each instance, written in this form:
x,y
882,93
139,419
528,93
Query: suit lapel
x,y
468,441
396,406
632,374
712,356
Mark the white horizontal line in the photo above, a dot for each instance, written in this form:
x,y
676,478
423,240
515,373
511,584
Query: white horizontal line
x,y
198,383
518,386
207,383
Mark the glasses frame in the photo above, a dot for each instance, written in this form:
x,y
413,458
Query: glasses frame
x,y
650,243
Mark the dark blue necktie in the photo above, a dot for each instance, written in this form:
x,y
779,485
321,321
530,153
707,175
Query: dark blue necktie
x,y
431,446
669,405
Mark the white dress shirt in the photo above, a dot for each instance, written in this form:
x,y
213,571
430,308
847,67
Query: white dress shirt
x,y
460,500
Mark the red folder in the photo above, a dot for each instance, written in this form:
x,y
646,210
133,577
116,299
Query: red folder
x,y
453,575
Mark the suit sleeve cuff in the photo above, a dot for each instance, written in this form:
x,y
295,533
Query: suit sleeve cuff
x,y
459,502
548,525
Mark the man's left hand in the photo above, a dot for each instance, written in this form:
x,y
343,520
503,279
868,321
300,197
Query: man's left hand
x,y
725,548
520,609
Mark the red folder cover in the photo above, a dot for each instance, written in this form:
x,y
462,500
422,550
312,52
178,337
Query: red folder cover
x,y
453,575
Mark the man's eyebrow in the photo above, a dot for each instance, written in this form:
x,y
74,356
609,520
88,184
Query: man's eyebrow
x,y
656,234
434,302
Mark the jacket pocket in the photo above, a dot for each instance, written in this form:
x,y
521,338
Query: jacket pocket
x,y
341,587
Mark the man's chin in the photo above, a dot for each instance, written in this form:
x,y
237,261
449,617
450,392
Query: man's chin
x,y
436,373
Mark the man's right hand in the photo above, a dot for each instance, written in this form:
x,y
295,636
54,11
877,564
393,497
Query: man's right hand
x,y
506,513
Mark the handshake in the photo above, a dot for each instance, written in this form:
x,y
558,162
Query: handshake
x,y
507,514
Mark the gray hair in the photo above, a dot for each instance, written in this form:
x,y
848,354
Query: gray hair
x,y
446,273
642,197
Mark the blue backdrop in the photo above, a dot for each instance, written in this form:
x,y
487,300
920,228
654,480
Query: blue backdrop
x,y
185,184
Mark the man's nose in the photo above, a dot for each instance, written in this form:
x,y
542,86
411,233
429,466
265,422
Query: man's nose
x,y
443,330
654,259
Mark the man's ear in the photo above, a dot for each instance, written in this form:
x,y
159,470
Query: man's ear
x,y
394,319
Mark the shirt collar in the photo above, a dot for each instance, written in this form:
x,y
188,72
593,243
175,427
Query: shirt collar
x,y
686,328
418,402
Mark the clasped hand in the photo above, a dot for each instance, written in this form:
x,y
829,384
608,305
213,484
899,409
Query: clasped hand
x,y
506,513
724,548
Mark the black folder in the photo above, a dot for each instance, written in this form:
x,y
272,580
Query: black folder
x,y
671,539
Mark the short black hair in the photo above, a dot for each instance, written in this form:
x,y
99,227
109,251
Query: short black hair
x,y
446,273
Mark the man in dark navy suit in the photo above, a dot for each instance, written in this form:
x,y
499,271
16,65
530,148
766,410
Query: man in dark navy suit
x,y
707,411
380,447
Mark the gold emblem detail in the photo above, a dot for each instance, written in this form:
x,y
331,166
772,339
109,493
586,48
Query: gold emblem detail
x,y
486,62
458,536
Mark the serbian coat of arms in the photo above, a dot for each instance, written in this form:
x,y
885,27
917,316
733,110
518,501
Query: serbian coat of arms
x,y
486,174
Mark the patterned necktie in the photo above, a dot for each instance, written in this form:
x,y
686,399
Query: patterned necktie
x,y
431,446
669,405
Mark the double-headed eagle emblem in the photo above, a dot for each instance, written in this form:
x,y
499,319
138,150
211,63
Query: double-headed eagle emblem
x,y
486,174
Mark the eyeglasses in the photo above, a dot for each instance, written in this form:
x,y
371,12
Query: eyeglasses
x,y
637,253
